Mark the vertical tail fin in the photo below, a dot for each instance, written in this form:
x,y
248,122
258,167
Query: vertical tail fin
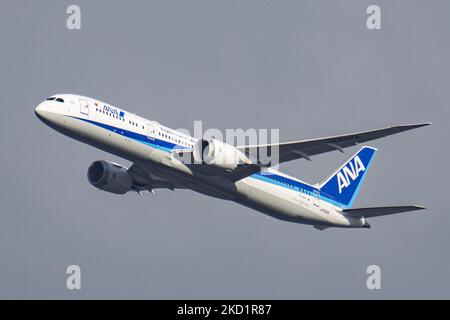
x,y
342,186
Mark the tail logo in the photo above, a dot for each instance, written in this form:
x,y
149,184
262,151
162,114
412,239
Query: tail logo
x,y
349,173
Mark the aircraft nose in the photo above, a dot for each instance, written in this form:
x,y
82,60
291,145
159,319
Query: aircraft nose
x,y
42,110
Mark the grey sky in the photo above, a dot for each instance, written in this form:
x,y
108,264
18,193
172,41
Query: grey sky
x,y
309,68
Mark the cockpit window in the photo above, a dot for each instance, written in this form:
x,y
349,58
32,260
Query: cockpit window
x,y
55,99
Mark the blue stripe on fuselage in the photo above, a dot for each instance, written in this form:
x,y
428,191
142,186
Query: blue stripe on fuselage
x,y
155,143
291,184
166,146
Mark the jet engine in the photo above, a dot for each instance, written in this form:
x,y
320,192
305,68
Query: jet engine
x,y
110,177
218,154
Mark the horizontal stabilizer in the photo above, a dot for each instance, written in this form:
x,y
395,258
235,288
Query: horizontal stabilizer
x,y
379,211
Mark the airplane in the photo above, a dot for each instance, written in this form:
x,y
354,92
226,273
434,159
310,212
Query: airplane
x,y
217,169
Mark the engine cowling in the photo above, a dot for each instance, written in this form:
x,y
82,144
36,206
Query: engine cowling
x,y
218,154
110,177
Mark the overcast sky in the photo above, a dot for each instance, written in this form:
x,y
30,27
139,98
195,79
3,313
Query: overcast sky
x,y
309,68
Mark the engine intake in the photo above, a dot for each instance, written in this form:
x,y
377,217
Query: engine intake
x,y
110,177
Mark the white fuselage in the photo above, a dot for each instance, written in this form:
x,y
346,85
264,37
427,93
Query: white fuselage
x,y
150,145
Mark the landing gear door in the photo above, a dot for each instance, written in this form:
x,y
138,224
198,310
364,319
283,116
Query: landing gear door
x,y
151,131
316,198
84,107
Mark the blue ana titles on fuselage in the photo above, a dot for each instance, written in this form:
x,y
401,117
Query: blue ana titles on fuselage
x,y
114,111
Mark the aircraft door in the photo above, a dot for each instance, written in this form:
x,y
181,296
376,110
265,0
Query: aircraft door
x,y
84,107
151,131
316,198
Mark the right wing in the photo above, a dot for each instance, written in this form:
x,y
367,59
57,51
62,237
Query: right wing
x,y
379,211
288,151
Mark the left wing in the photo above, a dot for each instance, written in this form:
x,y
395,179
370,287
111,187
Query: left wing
x,y
288,151
142,180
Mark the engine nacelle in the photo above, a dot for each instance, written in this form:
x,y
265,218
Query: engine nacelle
x,y
109,177
218,154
